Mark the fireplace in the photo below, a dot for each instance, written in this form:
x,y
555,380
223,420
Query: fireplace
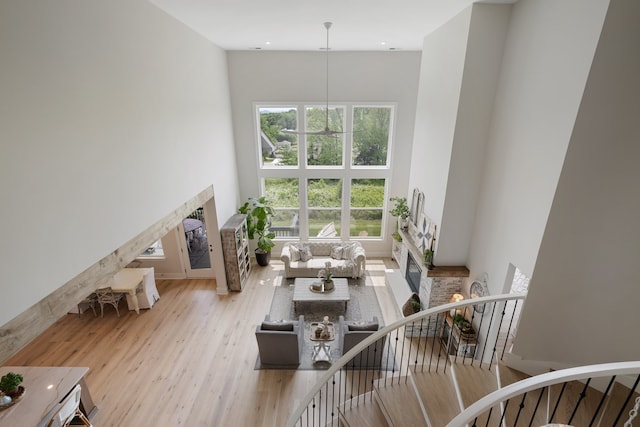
x,y
413,274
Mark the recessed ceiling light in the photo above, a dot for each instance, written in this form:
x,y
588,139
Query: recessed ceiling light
x,y
268,43
383,43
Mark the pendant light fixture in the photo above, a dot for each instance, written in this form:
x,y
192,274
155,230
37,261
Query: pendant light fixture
x,y
326,131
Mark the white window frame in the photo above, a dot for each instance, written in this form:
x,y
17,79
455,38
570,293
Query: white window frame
x,y
347,172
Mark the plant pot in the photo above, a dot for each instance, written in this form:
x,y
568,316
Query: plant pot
x,y
262,257
403,223
408,307
328,285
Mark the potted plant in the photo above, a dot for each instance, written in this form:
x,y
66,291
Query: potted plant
x,y
427,258
400,210
259,214
9,384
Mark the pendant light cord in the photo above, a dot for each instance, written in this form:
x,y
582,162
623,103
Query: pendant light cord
x,y
327,25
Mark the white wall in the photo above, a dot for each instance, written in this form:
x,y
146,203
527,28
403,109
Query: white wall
x,y
583,300
300,77
460,69
545,65
562,147
441,74
112,115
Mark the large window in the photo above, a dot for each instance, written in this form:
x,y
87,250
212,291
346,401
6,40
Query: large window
x,y
367,204
324,204
283,193
277,148
326,186
325,150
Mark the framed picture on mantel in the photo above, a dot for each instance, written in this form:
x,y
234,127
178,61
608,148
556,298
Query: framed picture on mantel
x,y
413,214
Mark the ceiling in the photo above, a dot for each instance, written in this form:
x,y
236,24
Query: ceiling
x,y
370,25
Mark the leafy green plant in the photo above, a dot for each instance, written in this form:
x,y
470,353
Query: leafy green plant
x,y
427,258
461,322
10,382
259,214
400,208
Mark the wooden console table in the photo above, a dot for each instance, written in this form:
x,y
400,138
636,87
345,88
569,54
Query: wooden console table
x,y
455,342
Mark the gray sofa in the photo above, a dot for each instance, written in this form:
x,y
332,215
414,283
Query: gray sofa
x,y
352,333
349,258
280,342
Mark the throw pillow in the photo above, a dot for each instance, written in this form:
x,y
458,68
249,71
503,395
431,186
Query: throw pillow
x,y
363,326
305,253
349,249
336,251
295,253
277,325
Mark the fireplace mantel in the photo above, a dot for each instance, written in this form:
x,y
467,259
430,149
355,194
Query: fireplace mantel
x,y
437,271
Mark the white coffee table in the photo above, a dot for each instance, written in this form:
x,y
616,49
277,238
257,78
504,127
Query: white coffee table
x,y
302,292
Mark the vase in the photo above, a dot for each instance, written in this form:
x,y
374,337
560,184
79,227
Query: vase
x,y
403,223
328,285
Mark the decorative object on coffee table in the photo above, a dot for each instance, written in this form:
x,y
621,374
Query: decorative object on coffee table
x,y
322,351
326,277
304,292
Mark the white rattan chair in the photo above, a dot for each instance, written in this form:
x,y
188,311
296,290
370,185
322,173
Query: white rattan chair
x,y
68,410
90,302
107,296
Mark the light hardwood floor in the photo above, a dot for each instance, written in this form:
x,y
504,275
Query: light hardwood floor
x,y
189,361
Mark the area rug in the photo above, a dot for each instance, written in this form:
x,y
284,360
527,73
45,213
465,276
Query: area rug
x,y
363,305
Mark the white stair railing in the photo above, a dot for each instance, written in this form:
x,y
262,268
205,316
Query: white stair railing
x,y
408,349
584,374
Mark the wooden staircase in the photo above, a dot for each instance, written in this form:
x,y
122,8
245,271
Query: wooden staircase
x,y
433,399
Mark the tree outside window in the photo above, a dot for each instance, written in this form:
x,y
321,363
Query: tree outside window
x,y
278,148
325,150
283,194
367,203
324,202
371,136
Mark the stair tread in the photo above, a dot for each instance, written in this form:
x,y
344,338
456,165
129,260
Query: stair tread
x,y
617,397
474,381
399,403
509,375
363,413
438,395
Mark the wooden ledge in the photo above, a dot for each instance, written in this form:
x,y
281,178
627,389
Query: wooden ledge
x,y
448,271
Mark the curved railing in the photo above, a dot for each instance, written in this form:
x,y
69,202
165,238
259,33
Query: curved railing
x,y
426,341
533,400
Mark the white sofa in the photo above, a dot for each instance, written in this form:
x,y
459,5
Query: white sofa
x,y
353,265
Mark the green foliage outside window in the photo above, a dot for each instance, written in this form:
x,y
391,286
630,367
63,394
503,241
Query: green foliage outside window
x,y
324,193
371,135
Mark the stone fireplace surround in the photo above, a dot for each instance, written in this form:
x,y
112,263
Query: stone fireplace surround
x,y
437,286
